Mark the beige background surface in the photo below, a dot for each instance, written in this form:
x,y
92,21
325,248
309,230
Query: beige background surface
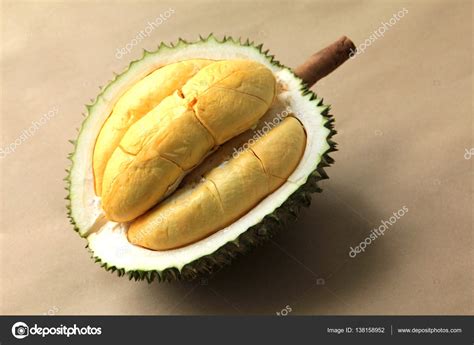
x,y
403,111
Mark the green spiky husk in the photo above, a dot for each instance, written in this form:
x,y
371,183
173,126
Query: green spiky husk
x,y
256,234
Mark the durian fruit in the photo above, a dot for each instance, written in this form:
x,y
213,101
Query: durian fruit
x,y
194,154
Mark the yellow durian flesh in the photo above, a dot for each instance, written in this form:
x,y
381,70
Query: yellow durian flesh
x,y
219,102
134,104
230,96
226,193
147,163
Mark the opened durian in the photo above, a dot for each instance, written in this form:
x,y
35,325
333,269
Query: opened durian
x,y
192,155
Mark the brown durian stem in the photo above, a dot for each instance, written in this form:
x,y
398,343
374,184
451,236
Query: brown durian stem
x,y
325,61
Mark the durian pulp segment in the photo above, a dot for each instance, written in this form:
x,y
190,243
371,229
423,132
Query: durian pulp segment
x,y
222,100
135,103
226,192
